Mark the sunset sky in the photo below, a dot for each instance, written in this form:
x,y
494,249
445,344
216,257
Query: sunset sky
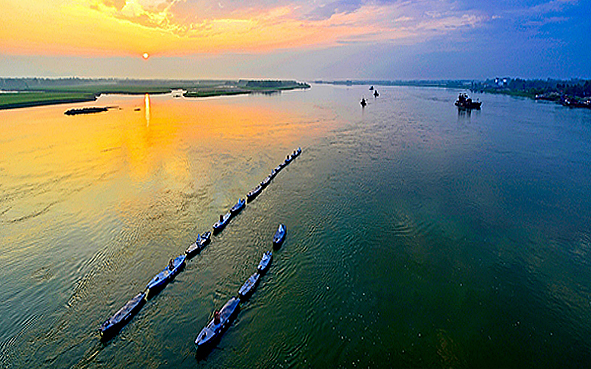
x,y
385,39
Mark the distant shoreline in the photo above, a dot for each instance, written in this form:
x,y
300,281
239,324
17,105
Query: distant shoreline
x,y
575,93
32,92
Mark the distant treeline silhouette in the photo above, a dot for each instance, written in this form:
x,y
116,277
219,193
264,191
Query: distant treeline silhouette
x,y
535,87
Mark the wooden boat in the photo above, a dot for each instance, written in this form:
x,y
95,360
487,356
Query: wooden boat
x,y
165,276
114,324
266,181
265,262
239,206
215,329
249,286
288,159
297,152
363,102
254,193
199,244
224,220
279,235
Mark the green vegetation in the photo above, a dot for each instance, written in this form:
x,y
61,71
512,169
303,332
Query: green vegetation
x,y
546,89
25,92
28,99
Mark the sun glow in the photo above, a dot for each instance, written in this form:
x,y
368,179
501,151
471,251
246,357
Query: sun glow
x,y
145,56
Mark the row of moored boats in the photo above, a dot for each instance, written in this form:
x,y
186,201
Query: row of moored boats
x,y
223,317
112,325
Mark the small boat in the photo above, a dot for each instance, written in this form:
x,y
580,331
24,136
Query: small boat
x,y
114,324
166,275
375,93
265,261
220,224
465,102
297,152
371,88
363,102
254,193
215,329
239,206
273,173
288,159
266,181
199,244
279,235
249,286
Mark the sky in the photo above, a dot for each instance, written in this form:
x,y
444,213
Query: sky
x,y
291,39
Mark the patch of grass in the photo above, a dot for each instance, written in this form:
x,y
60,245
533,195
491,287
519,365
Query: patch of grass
x,y
28,99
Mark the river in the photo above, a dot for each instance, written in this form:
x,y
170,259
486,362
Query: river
x,y
417,235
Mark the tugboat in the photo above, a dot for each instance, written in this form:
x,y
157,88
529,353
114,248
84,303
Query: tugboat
x,y
465,102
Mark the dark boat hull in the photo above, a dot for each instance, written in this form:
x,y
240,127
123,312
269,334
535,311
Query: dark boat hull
x,y
115,323
254,193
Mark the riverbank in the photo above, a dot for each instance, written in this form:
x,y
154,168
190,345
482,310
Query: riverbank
x,y
30,92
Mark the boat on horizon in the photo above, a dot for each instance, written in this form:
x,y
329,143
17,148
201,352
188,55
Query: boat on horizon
x,y
465,102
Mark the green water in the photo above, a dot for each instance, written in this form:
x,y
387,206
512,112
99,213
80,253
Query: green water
x,y
418,236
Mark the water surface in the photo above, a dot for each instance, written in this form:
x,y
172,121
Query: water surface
x,y
418,236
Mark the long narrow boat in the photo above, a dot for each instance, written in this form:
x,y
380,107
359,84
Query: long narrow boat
x,y
239,206
215,329
249,286
265,262
224,220
114,324
279,235
266,181
254,193
199,244
298,151
288,159
165,276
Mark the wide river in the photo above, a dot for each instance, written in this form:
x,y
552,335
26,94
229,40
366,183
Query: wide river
x,y
418,236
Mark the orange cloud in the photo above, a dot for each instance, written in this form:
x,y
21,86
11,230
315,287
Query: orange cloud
x,y
173,27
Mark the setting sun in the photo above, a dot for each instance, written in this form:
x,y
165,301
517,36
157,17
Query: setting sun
x,y
145,56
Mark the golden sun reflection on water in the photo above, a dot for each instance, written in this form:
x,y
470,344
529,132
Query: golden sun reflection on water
x,y
48,156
